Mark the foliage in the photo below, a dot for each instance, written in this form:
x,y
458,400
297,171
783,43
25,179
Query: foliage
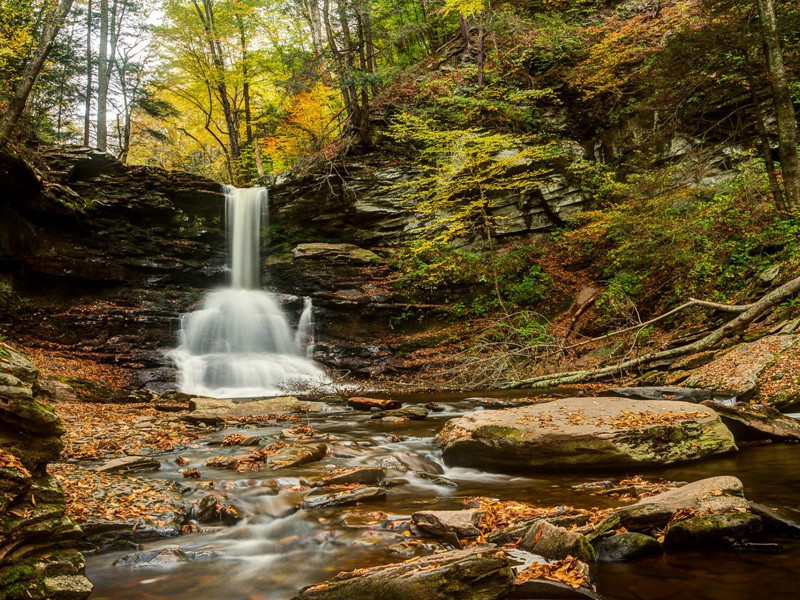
x,y
665,242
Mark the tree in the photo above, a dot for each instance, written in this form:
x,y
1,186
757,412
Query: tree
x,y
52,17
782,99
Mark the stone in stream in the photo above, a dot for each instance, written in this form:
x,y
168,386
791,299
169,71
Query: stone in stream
x,y
682,394
712,530
344,497
626,546
212,510
551,590
712,495
777,520
585,433
129,464
439,523
415,413
362,475
477,573
756,421
554,543
214,411
361,403
166,557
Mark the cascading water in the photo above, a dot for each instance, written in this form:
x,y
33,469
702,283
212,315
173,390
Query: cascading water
x,y
240,344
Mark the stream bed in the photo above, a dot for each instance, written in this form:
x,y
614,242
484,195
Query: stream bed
x,y
277,550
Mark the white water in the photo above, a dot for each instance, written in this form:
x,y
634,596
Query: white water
x,y
240,344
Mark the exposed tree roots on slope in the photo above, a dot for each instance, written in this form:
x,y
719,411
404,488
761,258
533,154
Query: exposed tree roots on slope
x,y
747,313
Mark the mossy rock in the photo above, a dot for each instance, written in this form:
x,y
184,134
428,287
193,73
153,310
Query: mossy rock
x,y
33,452
712,530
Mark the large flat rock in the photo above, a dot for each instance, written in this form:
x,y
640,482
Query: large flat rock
x,y
585,433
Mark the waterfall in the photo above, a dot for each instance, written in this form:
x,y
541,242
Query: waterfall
x,y
240,344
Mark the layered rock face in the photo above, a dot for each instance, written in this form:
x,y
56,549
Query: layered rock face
x,y
103,258
38,556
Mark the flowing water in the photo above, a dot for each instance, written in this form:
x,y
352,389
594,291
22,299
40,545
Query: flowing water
x,y
240,343
279,549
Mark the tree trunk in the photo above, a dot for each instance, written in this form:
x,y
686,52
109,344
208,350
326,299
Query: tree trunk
x,y
766,150
87,117
462,22
102,79
784,109
206,15
53,21
481,51
248,116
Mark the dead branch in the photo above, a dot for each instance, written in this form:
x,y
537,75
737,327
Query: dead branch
x,y
747,314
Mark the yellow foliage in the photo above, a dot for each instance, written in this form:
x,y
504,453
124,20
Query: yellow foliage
x,y
310,124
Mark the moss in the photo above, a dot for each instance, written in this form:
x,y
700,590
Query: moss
x,y
713,529
16,582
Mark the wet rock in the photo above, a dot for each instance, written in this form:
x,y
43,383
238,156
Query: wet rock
x,y
360,403
715,495
682,394
435,479
712,530
477,573
415,413
364,520
129,464
555,543
296,455
756,421
212,509
585,432
361,475
438,523
410,461
551,590
778,520
167,557
626,546
344,497
434,407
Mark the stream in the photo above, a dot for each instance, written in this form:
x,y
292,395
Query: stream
x,y
277,550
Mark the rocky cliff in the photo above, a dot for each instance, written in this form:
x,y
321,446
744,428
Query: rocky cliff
x,y
38,555
98,260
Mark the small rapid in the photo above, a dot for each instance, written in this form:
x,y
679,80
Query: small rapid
x,y
239,344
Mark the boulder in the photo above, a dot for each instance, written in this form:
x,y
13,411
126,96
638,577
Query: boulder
x,y
439,523
476,573
129,464
626,546
756,421
554,543
212,509
585,433
359,403
712,530
712,495
362,475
